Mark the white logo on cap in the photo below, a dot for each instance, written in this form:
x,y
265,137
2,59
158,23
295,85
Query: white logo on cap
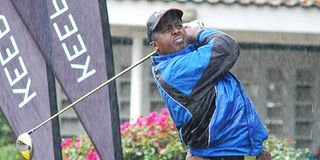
x,y
158,13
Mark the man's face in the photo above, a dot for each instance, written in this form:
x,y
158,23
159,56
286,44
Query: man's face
x,y
169,36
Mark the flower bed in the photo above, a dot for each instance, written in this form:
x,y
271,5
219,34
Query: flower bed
x,y
78,148
152,137
156,137
280,149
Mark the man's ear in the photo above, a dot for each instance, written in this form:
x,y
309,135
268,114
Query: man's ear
x,y
154,45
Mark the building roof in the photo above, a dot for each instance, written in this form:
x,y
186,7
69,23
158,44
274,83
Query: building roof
x,y
274,3
234,15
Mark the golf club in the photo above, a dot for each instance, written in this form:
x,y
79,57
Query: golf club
x,y
24,142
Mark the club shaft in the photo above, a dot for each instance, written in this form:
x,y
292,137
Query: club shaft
x,y
92,91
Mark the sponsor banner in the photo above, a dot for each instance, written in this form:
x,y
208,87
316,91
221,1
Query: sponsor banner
x,y
81,58
24,98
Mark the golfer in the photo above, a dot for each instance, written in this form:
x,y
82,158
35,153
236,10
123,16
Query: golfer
x,y
207,103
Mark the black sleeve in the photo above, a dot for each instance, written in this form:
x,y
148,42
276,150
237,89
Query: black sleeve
x,y
224,51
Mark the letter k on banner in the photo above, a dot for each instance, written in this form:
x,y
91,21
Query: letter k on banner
x,y
24,94
75,39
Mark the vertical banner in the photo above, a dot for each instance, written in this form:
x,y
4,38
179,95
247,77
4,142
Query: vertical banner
x,y
24,98
81,58
41,35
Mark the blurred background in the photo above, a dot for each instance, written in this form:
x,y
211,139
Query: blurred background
x,y
278,66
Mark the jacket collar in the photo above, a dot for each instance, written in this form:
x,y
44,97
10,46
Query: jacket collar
x,y
156,59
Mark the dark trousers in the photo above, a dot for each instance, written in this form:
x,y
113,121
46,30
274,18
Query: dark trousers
x,y
264,155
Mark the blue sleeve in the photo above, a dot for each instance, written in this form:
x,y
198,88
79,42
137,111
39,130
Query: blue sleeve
x,y
218,52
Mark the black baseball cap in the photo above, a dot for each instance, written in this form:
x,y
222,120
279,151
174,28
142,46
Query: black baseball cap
x,y
156,17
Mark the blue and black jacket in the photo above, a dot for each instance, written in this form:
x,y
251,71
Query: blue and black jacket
x,y
207,103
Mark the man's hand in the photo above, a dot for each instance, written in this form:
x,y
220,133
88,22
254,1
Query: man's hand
x,y
197,24
192,28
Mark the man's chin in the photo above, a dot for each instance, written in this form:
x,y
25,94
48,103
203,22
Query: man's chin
x,y
175,48
180,46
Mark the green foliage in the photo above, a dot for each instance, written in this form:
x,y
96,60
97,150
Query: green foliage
x,y
280,149
7,147
5,132
8,152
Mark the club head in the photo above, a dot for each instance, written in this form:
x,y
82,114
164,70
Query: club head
x,y
24,146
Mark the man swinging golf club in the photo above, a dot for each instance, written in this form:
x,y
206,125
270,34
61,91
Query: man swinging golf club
x,y
207,103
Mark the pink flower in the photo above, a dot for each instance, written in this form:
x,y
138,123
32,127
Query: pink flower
x,y
96,157
164,111
157,141
89,156
139,122
92,154
124,126
68,141
78,143
151,133
160,148
127,124
150,128
154,114
93,149
167,125
161,120
148,120
63,145
151,119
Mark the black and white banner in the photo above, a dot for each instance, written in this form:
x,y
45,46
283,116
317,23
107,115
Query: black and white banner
x,y
75,39
24,98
